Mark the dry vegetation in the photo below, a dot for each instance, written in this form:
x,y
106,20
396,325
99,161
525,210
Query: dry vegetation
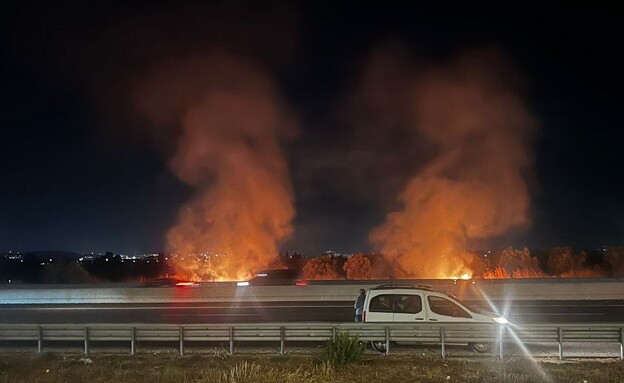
x,y
165,368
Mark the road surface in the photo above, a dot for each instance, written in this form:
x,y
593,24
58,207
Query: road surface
x,y
519,312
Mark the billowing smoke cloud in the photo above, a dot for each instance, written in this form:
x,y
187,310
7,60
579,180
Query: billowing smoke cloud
x,y
231,123
475,135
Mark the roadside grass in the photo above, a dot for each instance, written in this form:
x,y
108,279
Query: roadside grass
x,y
253,368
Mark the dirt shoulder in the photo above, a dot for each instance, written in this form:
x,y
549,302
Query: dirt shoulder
x,y
220,368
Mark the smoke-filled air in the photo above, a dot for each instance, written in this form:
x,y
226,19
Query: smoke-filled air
x,y
472,186
230,123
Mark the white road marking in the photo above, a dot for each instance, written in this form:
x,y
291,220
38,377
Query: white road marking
x,y
209,315
549,314
568,305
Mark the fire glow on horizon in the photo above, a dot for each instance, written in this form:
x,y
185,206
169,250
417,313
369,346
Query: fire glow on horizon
x,y
232,123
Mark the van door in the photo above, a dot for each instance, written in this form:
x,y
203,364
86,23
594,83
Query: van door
x,y
380,308
409,308
442,309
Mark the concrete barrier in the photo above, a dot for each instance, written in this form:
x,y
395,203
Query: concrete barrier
x,y
604,289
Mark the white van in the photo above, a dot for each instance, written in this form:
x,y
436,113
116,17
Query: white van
x,y
409,303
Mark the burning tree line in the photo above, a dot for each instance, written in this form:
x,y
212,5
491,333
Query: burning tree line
x,y
557,262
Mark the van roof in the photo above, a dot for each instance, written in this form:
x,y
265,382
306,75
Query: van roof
x,y
406,286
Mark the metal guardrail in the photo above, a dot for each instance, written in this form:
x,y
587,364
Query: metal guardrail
x,y
440,333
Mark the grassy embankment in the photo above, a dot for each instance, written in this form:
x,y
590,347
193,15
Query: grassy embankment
x,y
169,368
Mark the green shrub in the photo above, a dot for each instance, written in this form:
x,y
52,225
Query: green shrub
x,y
343,349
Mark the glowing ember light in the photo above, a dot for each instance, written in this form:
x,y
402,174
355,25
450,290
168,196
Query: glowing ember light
x,y
185,284
464,276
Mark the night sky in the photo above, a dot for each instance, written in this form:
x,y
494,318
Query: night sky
x,y
78,174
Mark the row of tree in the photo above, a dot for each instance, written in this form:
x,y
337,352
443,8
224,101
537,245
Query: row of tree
x,y
558,262
109,268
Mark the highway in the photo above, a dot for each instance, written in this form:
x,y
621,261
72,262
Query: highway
x,y
530,301
520,311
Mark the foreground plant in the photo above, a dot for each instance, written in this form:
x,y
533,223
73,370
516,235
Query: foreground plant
x,y
343,349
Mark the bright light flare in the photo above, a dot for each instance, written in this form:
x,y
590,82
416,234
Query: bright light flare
x,y
510,329
242,284
527,352
500,320
506,309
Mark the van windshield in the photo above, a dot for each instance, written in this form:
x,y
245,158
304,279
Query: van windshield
x,y
470,307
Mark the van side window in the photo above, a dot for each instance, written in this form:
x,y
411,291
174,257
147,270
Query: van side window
x,y
381,303
408,304
447,308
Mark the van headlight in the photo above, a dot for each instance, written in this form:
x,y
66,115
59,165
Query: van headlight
x,y
500,320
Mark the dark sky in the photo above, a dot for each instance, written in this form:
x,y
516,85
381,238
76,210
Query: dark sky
x,y
78,175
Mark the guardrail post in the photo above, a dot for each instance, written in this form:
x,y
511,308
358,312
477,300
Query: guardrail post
x,y
41,336
132,341
181,340
40,340
621,343
231,340
282,339
442,335
501,342
387,340
560,342
86,341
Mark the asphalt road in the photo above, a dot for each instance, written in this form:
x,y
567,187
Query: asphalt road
x,y
518,312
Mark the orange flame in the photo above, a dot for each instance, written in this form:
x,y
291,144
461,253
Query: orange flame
x,y
231,123
472,188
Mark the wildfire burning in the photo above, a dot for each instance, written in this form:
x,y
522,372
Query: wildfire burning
x,y
442,149
231,122
473,186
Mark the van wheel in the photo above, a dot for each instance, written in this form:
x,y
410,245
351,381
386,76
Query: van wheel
x,y
480,347
379,346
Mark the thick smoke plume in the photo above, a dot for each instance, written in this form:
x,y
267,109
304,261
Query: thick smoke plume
x,y
477,133
231,122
